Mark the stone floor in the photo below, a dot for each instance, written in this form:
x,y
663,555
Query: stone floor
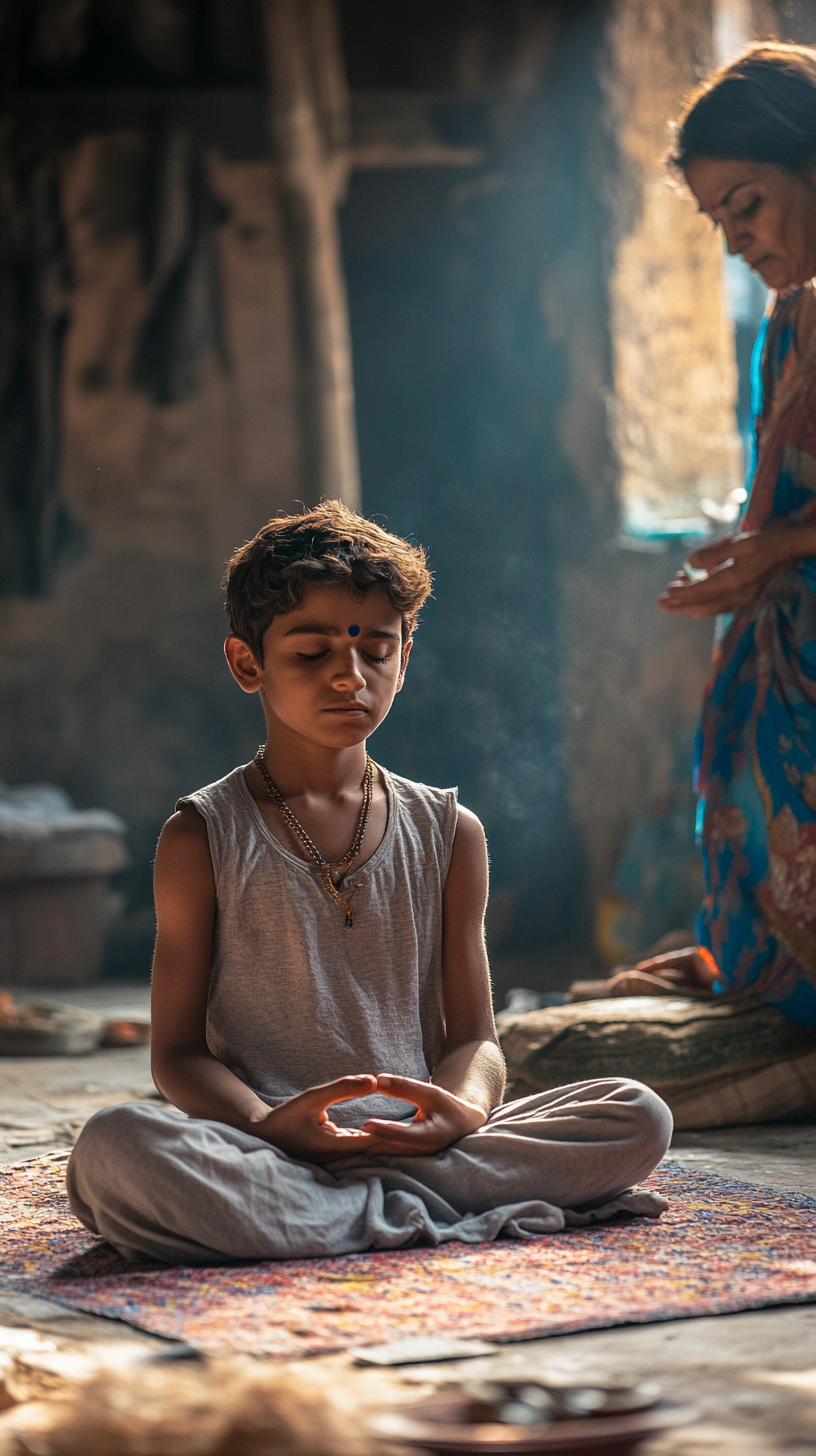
x,y
44,1101
751,1377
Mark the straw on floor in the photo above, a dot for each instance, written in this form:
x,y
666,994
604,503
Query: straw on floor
x,y
722,1246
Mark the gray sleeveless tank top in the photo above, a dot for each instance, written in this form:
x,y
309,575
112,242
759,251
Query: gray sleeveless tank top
x,y
296,998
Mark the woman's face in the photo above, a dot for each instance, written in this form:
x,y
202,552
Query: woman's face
x,y
767,213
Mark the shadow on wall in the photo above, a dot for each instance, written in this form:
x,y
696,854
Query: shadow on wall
x,y
658,883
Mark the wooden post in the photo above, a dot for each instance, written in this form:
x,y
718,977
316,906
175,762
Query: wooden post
x,y
309,125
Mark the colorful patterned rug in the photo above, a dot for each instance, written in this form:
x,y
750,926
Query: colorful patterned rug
x,y
721,1247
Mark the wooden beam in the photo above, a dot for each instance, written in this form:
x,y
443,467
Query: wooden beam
x,y
388,129
309,127
379,156
400,129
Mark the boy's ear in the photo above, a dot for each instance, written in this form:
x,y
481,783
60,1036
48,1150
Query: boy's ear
x,y
243,664
406,653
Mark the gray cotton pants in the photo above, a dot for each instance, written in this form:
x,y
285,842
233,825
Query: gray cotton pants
x,y
188,1191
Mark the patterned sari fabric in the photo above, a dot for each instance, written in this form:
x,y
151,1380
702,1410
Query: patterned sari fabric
x,y
756,745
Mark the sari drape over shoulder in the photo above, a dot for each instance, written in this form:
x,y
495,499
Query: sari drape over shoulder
x,y
756,743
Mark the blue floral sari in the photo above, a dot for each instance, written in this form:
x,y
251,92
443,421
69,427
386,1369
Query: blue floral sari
x,y
756,743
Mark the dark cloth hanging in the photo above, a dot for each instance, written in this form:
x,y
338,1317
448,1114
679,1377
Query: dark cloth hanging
x,y
182,264
35,276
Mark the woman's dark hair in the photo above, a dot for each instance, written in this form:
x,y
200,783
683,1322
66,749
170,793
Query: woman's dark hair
x,y
761,107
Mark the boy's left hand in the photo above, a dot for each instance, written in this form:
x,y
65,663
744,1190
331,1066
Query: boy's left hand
x,y
441,1119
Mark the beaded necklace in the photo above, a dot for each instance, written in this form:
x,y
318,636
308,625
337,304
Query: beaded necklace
x,y
325,866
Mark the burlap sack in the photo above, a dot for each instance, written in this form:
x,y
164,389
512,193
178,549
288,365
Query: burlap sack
x,y
716,1063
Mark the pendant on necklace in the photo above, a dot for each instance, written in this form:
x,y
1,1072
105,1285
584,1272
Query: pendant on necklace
x,y
354,849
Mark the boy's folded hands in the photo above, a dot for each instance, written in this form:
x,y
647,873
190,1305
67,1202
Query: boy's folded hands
x,y
301,1127
441,1118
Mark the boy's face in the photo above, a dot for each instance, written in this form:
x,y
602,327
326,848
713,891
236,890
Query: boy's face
x,y
330,668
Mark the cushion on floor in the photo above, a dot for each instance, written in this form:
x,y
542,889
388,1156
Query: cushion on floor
x,y
733,1060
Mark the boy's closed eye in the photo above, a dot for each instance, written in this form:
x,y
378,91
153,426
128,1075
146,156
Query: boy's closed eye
x,y
318,657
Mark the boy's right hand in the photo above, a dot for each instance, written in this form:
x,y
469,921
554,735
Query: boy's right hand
x,y
302,1129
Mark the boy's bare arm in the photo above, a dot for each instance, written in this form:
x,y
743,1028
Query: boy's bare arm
x,y
473,1066
184,1068
469,1080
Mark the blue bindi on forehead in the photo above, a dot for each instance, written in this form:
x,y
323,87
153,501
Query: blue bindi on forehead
x,y
354,631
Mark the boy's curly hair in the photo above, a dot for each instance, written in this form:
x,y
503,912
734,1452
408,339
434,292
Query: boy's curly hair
x,y
328,545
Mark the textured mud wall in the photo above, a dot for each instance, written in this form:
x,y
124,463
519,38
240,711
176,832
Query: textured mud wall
x,y
674,369
115,687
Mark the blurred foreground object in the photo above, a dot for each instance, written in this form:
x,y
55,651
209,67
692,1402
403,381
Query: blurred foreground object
x,y
491,1416
55,861
188,1407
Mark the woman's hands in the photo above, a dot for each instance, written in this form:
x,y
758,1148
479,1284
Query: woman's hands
x,y
738,568
302,1128
691,971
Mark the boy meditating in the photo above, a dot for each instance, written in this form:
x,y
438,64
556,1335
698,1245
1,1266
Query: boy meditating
x,y
321,997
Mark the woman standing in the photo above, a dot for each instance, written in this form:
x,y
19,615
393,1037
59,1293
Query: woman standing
x,y
746,145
